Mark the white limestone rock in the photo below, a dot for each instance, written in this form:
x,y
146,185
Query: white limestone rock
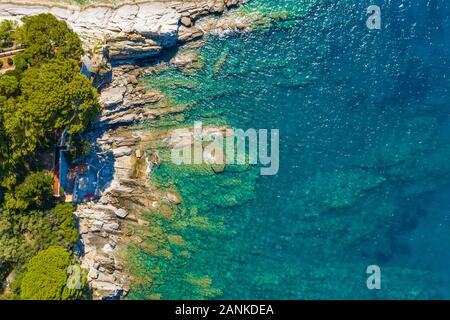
x,y
112,96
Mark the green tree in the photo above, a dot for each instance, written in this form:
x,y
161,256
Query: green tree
x,y
34,193
53,96
66,223
44,93
22,63
8,85
6,33
45,38
4,148
46,275
23,235
48,93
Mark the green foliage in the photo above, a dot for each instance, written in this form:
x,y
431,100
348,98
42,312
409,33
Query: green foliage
x,y
3,272
15,285
10,61
22,63
46,276
66,223
7,33
45,93
54,95
8,85
46,38
80,148
23,235
34,193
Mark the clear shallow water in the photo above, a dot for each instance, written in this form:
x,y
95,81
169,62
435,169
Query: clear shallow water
x,y
364,171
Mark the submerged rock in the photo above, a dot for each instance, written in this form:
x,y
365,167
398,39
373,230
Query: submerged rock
x,y
187,59
173,197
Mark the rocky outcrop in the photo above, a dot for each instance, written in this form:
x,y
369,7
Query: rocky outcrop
x,y
127,31
102,223
100,234
126,100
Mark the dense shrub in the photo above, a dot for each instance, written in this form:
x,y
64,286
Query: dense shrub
x,y
34,193
43,94
46,38
46,275
66,224
22,236
7,33
8,85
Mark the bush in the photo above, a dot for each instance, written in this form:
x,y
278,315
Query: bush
x,y
10,61
7,28
46,275
66,223
34,193
8,85
23,235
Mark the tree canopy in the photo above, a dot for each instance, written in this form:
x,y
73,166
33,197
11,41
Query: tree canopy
x,y
34,193
46,93
46,275
46,38
8,85
23,235
7,28
53,96
65,219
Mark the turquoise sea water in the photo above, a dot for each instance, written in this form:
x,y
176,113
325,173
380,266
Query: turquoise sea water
x,y
364,159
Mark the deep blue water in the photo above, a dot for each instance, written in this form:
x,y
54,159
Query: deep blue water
x,y
364,170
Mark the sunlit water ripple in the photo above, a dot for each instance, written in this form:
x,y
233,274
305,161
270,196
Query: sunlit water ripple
x,y
364,170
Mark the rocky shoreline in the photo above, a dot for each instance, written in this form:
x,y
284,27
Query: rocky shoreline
x,y
102,223
129,30
119,40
